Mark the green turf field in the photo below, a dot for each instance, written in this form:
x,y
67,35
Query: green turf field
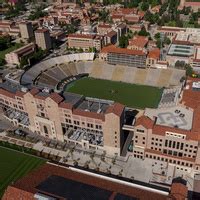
x,y
14,165
137,96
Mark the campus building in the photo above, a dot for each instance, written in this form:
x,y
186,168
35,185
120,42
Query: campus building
x,y
40,184
85,42
86,122
120,56
43,39
15,56
171,134
26,30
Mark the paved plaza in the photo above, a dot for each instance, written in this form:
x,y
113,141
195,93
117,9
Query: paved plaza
x,y
147,171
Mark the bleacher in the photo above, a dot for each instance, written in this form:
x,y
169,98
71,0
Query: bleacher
x,y
65,68
118,73
51,73
140,76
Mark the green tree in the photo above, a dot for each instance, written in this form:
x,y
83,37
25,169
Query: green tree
x,y
143,32
189,70
145,6
167,41
123,41
2,62
157,36
23,62
159,43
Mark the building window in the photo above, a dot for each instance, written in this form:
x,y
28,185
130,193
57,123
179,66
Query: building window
x,y
174,144
45,130
181,146
170,143
140,130
180,154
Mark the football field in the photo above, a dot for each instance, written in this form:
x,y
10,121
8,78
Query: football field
x,y
14,165
136,96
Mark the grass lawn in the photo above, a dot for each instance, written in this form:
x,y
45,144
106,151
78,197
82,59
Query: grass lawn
x,y
12,48
136,96
14,165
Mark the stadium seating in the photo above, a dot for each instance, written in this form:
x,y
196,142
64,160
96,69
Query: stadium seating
x,y
140,76
128,75
72,68
96,71
151,78
118,73
64,69
107,71
165,75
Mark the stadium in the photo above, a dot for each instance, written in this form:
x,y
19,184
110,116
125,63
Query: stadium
x,y
82,74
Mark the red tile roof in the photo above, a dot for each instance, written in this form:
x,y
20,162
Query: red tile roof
x,y
139,41
19,93
34,91
144,121
114,49
127,11
89,114
104,26
41,30
65,105
190,97
179,191
132,18
154,53
192,4
111,34
7,93
81,36
56,97
116,108
27,185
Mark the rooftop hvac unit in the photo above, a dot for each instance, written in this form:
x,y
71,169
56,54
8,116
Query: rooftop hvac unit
x,y
24,89
47,90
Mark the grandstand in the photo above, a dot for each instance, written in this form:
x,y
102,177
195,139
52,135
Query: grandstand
x,y
64,69
140,76
118,73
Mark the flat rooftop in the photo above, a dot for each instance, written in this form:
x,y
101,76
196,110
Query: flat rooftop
x,y
72,98
94,105
177,116
48,177
181,50
61,187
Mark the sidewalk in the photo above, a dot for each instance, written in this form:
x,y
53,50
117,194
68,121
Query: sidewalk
x,y
147,171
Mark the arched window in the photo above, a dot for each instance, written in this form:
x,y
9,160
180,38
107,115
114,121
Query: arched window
x,y
45,130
